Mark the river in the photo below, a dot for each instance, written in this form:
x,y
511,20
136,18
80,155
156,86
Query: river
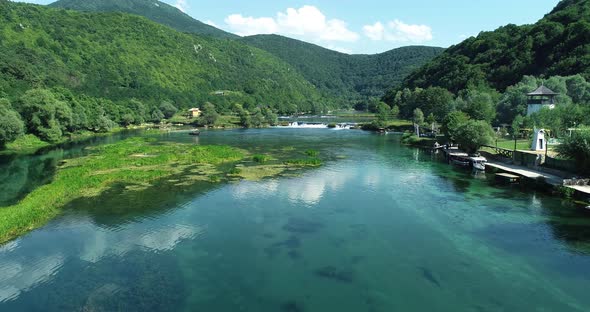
x,y
379,227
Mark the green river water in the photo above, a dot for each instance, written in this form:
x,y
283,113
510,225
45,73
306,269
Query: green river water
x,y
379,227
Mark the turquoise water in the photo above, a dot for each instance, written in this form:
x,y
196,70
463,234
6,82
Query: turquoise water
x,y
379,227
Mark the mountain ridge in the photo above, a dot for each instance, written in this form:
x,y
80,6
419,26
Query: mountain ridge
x,y
154,10
557,44
336,73
121,57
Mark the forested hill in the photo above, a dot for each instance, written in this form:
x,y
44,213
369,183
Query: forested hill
x,y
558,44
349,77
154,10
119,57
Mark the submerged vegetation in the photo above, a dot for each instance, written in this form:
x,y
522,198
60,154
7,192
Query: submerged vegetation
x,y
137,164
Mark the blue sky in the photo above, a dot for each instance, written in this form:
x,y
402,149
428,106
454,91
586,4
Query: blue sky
x,y
369,26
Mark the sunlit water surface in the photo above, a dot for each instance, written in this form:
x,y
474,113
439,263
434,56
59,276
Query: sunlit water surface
x,y
379,227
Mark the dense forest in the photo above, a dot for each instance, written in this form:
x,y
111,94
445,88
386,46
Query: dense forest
x,y
351,78
484,80
115,68
348,78
558,44
154,10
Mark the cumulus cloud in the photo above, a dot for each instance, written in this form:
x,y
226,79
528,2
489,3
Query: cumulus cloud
x,y
307,22
181,5
398,31
211,23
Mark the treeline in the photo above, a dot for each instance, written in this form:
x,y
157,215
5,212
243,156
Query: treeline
x,y
557,45
572,104
52,114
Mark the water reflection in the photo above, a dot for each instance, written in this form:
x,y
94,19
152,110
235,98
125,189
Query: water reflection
x,y
19,277
87,242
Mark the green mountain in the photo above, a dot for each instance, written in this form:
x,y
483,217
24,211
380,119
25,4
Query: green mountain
x,y
558,44
154,10
348,77
120,57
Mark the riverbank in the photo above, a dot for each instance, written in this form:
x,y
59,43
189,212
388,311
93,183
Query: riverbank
x,y
137,164
30,144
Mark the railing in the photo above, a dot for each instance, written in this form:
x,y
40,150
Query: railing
x,y
501,151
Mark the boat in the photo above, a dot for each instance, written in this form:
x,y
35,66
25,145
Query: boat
x,y
462,159
478,163
194,132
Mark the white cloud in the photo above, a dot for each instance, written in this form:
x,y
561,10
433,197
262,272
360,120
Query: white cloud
x,y
246,26
307,22
211,23
181,5
398,31
339,49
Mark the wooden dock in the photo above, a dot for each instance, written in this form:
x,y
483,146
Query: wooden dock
x,y
526,172
507,178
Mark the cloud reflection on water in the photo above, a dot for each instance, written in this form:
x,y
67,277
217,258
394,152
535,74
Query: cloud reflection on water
x,y
91,244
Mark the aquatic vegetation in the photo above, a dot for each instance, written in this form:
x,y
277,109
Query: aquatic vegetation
x,y
259,158
291,306
312,153
292,243
312,162
429,276
296,225
336,274
136,165
134,161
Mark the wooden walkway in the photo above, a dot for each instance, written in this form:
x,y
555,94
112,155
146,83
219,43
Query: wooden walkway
x,y
527,172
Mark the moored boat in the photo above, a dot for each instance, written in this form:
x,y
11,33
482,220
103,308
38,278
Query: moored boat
x,y
194,132
478,163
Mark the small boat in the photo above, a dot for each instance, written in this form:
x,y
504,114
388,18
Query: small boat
x,y
460,161
478,163
195,132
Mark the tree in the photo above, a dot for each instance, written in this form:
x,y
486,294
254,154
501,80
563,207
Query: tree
x,y
418,120
209,115
452,122
516,126
156,115
431,121
394,112
270,117
127,119
479,105
168,109
11,124
434,100
383,112
472,134
577,147
45,116
257,119
139,110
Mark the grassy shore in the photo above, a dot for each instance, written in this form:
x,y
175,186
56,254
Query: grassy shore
x,y
137,163
29,143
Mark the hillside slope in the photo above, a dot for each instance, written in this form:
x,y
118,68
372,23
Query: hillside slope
x,y
154,10
558,44
120,56
349,77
